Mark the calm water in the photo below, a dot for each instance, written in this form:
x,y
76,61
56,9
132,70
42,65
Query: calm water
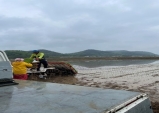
x,y
99,63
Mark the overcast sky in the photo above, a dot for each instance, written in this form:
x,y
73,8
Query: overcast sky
x,y
68,26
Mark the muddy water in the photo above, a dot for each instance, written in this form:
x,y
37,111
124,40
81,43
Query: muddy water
x,y
100,63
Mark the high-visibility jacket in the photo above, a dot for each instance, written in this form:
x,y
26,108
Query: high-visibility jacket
x,y
20,67
40,55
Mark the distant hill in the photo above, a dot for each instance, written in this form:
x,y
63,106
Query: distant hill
x,y
87,53
26,54
17,53
50,54
120,53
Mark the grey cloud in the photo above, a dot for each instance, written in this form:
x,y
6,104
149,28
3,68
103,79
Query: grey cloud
x,y
73,25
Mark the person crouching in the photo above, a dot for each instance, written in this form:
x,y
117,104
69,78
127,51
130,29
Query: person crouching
x,y
20,69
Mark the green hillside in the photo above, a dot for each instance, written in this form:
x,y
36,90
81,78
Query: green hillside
x,y
120,53
18,54
50,54
26,54
87,53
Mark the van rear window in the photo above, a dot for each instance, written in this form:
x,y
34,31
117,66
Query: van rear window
x,y
2,58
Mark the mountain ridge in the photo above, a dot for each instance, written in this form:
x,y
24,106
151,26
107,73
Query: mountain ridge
x,y
84,53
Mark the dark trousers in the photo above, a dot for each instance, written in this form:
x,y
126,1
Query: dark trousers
x,y
44,62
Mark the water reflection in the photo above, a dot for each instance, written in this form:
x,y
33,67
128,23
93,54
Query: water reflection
x,y
99,63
